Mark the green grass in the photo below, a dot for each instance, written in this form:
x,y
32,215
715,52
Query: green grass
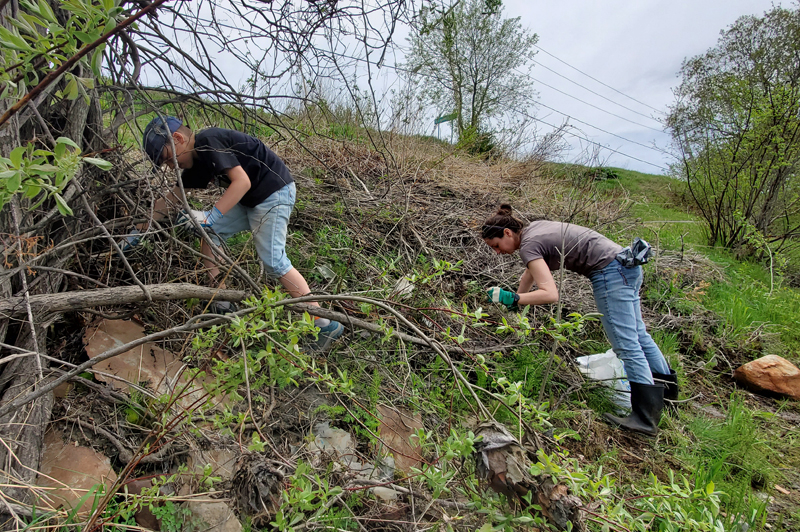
x,y
733,453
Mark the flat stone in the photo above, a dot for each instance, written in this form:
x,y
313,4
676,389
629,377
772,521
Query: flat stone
x,y
211,517
339,445
770,374
331,440
221,461
160,370
385,494
144,517
73,471
398,428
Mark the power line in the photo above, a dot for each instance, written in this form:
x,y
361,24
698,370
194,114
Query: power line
x,y
400,69
592,142
605,131
593,92
598,81
591,105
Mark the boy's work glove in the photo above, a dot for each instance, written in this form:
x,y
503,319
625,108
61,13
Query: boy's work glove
x,y
130,240
206,218
504,297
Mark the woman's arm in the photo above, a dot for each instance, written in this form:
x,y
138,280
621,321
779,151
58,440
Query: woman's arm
x,y
525,282
239,186
538,272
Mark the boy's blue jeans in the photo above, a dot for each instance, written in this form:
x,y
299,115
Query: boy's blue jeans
x,y
616,292
268,221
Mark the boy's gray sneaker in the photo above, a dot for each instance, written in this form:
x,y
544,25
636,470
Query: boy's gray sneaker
x,y
219,307
327,335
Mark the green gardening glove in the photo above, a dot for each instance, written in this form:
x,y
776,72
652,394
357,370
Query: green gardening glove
x,y
498,295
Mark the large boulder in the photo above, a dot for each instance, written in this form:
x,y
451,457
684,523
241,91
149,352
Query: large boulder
x,y
770,374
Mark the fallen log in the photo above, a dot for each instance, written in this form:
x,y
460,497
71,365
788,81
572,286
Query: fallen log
x,y
14,307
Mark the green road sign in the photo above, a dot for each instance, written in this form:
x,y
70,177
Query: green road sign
x,y
445,118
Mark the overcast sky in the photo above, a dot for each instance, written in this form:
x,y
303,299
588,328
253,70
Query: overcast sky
x,y
635,47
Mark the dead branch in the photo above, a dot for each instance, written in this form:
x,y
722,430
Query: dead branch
x,y
122,295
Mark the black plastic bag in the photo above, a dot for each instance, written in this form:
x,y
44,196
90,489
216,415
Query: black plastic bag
x,y
638,253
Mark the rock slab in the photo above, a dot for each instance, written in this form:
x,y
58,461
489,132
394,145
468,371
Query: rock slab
x,y
212,517
770,374
398,431
158,369
70,472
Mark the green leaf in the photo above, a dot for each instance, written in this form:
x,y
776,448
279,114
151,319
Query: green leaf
x,y
100,163
7,173
62,206
87,82
710,488
108,5
7,86
16,156
87,38
97,60
68,141
47,168
23,25
13,182
13,41
71,90
47,12
32,191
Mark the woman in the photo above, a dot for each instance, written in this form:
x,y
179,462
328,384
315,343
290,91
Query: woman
x,y
543,246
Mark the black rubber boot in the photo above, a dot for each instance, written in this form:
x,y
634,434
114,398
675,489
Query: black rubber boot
x,y
670,384
647,402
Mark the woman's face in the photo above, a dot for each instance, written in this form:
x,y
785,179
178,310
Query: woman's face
x,y
505,245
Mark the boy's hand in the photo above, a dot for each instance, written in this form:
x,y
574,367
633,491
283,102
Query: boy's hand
x,y
504,297
212,217
205,218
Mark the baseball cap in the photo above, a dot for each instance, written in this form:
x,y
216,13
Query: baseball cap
x,y
157,134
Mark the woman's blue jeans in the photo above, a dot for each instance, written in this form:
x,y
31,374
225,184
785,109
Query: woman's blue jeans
x,y
616,292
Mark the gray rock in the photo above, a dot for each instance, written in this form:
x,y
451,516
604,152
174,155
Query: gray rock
x,y
211,517
385,494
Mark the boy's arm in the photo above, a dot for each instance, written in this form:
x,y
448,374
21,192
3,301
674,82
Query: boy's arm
x,y
239,186
171,202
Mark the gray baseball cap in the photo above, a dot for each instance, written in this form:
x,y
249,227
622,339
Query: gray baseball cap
x,y
157,134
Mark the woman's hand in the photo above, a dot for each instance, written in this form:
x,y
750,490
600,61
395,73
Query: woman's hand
x,y
504,297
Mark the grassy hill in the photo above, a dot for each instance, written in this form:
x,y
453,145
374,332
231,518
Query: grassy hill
x,y
392,236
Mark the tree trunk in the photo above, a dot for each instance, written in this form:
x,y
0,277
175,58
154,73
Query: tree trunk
x,y
22,431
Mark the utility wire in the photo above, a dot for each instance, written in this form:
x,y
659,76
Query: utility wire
x,y
590,104
598,81
591,141
605,131
593,92
409,71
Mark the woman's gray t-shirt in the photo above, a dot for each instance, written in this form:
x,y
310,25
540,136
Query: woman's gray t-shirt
x,y
585,250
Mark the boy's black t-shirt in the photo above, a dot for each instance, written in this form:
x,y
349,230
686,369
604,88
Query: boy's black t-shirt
x,y
219,150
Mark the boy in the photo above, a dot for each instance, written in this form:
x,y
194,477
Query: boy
x,y
259,196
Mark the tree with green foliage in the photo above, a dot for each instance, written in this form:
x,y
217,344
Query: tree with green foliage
x,y
470,61
736,127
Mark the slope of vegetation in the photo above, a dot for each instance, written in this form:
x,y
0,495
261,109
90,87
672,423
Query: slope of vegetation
x,y
502,430
357,234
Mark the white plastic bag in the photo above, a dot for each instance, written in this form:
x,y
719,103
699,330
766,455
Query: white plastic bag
x,y
608,369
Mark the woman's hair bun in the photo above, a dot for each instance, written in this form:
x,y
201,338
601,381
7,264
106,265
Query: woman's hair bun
x,y
505,209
